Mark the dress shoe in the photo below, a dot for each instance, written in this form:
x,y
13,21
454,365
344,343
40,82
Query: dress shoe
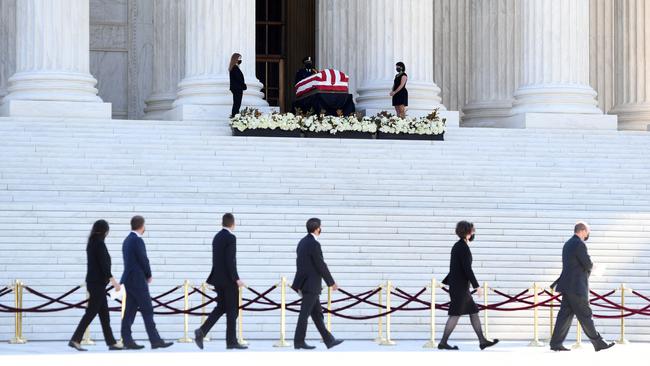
x,y
115,347
161,344
236,346
132,346
334,343
198,338
603,346
446,346
559,348
76,346
303,346
488,344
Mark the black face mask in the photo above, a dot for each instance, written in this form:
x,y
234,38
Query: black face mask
x,y
308,65
238,62
398,69
586,237
471,238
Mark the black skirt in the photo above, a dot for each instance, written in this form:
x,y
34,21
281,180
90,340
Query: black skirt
x,y
461,303
401,98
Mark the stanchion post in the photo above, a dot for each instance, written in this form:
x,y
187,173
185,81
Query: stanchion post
x,y
204,289
240,338
186,317
578,343
329,309
380,324
283,313
432,338
387,341
551,316
123,308
18,304
87,340
485,311
535,342
621,339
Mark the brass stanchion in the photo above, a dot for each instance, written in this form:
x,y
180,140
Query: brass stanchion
x,y
432,338
578,343
387,341
621,339
329,309
551,316
535,342
485,312
18,304
380,326
123,309
186,318
283,313
240,337
204,289
87,340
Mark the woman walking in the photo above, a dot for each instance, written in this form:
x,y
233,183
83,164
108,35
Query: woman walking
x,y
237,83
459,278
97,277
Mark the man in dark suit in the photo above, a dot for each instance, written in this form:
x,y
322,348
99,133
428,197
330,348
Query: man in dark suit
x,y
311,270
573,284
136,278
225,279
307,71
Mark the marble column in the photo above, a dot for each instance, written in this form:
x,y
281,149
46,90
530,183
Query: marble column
x,y
214,30
7,43
168,56
52,76
493,55
554,91
632,62
396,31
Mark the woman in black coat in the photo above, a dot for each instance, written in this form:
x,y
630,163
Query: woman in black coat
x,y
97,277
237,83
459,279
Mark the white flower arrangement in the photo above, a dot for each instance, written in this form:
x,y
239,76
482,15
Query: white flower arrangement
x,y
384,122
428,125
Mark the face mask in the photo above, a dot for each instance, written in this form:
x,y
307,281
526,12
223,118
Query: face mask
x,y
238,62
471,238
586,237
308,65
398,69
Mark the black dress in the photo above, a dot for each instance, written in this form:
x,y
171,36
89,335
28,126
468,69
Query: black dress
x,y
401,97
459,279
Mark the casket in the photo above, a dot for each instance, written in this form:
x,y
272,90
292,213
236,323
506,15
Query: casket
x,y
325,81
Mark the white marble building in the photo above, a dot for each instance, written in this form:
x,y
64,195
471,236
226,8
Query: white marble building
x,y
506,63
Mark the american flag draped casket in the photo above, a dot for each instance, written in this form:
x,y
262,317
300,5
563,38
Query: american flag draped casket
x,y
325,81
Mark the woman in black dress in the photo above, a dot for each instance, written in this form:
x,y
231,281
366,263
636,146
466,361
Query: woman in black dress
x,y
399,93
97,277
459,279
237,84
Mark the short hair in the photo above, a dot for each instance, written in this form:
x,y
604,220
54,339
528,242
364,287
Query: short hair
x,y
313,224
464,228
228,220
137,222
580,226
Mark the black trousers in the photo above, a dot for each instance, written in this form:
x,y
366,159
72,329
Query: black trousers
x,y
138,298
311,307
227,303
97,305
577,305
236,101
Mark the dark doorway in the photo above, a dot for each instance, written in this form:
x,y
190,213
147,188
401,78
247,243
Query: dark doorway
x,y
284,34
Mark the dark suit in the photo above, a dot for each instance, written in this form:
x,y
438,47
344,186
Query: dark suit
x,y
573,284
224,278
97,277
237,87
303,74
311,270
134,278
459,279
